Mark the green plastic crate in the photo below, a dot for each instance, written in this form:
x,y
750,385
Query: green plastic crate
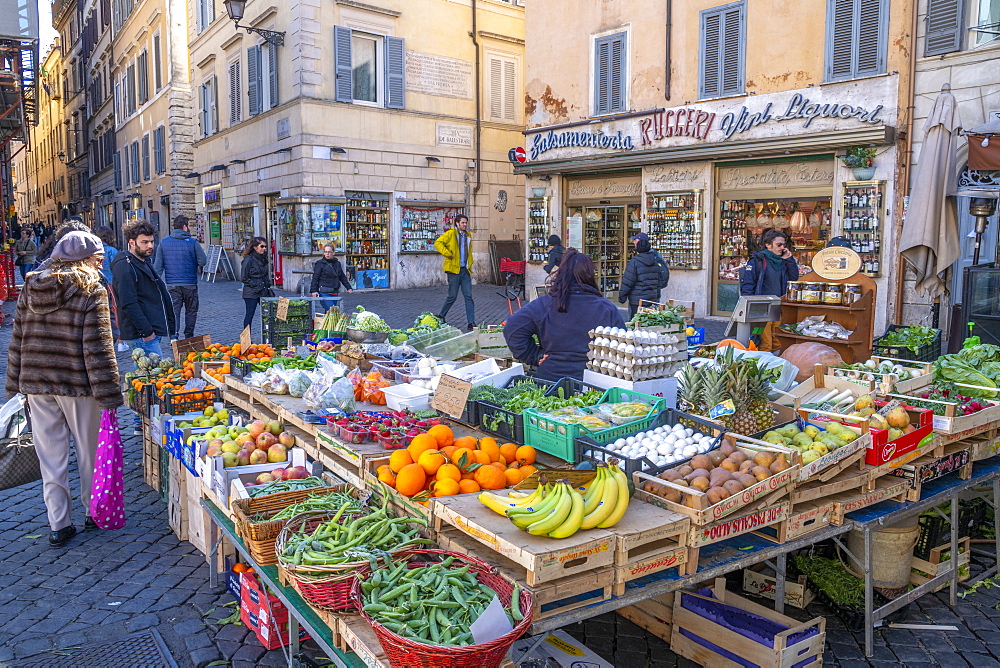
x,y
559,438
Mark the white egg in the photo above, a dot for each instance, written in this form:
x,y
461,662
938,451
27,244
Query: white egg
x,y
620,442
690,451
630,336
630,440
689,432
630,349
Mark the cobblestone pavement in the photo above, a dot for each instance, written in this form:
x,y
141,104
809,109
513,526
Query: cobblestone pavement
x,y
105,585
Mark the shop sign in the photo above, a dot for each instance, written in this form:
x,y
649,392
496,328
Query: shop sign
x,y
835,263
547,141
212,197
783,175
800,108
675,176
604,188
675,123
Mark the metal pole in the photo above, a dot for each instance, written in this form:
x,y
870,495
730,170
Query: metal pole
x,y
779,576
953,587
869,622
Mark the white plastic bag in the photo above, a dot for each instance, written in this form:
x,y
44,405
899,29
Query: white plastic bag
x,y
786,380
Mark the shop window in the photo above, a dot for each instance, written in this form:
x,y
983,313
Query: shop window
x,y
609,74
235,93
988,22
945,27
503,89
721,65
370,68
856,35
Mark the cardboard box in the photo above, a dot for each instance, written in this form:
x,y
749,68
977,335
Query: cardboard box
x,y
222,477
657,387
560,647
264,614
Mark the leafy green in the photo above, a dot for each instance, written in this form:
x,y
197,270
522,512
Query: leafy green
x,y
976,365
911,337
832,577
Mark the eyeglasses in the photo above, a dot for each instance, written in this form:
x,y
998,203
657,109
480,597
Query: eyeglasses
x,y
260,246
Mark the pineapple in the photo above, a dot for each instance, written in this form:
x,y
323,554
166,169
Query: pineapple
x,y
760,405
740,381
692,388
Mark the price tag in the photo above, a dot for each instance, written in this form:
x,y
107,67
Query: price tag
x,y
282,308
451,395
245,338
895,403
576,478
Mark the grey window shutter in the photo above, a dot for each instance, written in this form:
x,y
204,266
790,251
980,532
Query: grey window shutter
x,y
118,171
143,78
602,49
203,115
145,157
272,76
711,47
213,109
856,38
509,90
136,176
722,51
395,66
342,57
840,39
235,96
253,81
609,74
157,65
870,18
733,22
616,74
945,23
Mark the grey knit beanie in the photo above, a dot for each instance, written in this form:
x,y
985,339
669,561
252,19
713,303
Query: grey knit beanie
x,y
77,246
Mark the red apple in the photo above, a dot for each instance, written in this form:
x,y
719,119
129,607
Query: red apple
x,y
256,428
243,458
279,474
286,439
258,457
266,440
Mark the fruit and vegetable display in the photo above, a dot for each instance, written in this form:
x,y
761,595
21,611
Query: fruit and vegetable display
x,y
559,510
718,474
369,387
671,315
813,440
664,445
912,337
976,370
877,370
279,483
805,356
425,322
367,321
319,502
426,373
435,604
289,361
393,429
438,464
638,355
258,443
600,416
349,537
334,322
210,417
896,420
733,390
938,400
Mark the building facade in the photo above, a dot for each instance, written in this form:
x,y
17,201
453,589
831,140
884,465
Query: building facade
x,y
702,127
68,19
151,96
40,176
102,145
370,128
958,45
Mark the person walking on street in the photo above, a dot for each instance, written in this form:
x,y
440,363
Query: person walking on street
x,y
256,277
178,260
556,250
642,279
456,247
143,302
25,250
107,237
328,276
767,273
62,358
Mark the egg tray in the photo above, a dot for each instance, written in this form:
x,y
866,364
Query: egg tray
x,y
631,359
587,449
678,339
665,370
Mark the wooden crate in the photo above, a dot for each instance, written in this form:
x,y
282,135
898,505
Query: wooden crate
x,y
888,488
908,386
675,557
195,344
730,527
542,558
177,506
764,584
933,565
151,453
803,519
956,457
953,424
550,598
653,615
647,530
808,652
198,522
357,636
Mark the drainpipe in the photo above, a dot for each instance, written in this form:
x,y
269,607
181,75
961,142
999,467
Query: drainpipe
x,y
666,71
479,104
911,86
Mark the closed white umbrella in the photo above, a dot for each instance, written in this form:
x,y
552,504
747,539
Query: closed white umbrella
x,y
929,242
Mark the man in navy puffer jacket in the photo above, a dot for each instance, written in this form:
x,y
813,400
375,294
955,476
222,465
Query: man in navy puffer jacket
x,y
179,258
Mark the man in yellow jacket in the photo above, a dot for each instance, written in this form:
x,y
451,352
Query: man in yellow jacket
x,y
456,247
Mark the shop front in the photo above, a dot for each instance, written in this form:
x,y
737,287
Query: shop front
x,y
706,181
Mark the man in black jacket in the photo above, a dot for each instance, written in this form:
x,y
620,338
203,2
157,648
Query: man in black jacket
x,y
328,276
144,310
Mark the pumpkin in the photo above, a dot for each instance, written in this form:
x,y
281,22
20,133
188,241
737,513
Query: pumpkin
x,y
806,355
731,342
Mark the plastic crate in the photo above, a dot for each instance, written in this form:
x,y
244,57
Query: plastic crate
x,y
559,438
589,449
189,401
240,368
512,266
140,400
277,332
925,353
296,309
503,423
389,368
571,387
936,530
698,337
455,347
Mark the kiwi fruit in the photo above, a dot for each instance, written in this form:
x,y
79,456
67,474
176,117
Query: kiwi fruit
x,y
716,456
732,486
684,470
747,480
763,458
701,462
701,483
760,472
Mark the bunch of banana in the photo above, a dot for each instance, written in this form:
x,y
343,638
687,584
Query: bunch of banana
x,y
559,510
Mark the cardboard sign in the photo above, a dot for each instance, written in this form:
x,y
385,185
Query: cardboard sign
x,y
577,478
245,338
451,395
282,312
889,407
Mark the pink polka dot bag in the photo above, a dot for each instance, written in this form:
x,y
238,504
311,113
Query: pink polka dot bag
x,y
107,499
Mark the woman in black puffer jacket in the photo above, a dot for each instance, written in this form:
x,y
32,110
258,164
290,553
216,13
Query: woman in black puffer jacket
x,y
256,277
642,278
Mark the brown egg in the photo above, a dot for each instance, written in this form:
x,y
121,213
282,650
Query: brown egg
x,y
761,472
701,483
733,487
747,480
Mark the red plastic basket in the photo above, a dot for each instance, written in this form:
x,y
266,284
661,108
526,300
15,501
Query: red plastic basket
x,y
512,266
406,653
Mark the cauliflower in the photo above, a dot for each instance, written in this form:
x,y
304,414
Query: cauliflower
x,y
428,319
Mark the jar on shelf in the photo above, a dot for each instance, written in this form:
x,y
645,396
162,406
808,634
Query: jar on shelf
x,y
833,294
792,293
852,293
811,293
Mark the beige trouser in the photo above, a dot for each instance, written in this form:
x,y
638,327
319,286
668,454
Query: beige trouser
x,y
53,419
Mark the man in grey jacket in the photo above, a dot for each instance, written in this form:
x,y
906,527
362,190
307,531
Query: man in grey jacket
x,y
179,258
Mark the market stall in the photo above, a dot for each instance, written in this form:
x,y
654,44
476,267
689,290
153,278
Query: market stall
x,y
347,474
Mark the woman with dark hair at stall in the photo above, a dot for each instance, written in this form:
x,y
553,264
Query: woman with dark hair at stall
x,y
560,319
256,277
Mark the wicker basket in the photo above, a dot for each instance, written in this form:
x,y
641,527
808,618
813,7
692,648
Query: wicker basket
x,y
406,653
259,536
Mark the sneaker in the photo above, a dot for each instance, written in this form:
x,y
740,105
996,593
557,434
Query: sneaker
x,y
122,346
89,524
471,326
60,538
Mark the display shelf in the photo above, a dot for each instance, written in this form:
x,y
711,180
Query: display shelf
x,y
366,223
861,220
604,234
539,229
857,317
824,307
675,227
421,225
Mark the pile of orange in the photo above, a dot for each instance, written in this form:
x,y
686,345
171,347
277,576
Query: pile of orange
x,y
438,464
